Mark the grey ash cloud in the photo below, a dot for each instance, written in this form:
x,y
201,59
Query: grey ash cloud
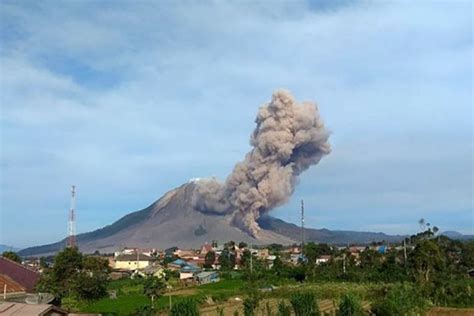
x,y
288,139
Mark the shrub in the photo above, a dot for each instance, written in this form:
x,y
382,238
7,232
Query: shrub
x,y
304,304
186,307
220,311
268,309
146,310
402,299
250,304
350,306
252,300
283,309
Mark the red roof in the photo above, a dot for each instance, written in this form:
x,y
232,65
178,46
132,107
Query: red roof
x,y
206,248
22,275
12,286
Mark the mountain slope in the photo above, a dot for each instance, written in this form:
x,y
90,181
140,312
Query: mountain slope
x,y
170,221
324,235
457,235
4,248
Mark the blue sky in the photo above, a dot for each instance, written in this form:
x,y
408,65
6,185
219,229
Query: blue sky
x,y
129,99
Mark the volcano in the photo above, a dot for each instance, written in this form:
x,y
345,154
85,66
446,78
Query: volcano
x,y
170,221
173,221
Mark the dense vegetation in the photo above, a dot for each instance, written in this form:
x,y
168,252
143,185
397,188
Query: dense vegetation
x,y
12,256
75,275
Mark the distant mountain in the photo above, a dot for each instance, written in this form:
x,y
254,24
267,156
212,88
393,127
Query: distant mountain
x,y
7,248
457,235
341,237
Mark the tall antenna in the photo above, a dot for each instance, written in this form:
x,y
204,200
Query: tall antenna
x,y
71,227
303,237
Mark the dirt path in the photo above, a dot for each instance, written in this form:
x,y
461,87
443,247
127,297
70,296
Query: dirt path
x,y
184,292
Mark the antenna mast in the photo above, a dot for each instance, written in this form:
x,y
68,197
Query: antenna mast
x,y
71,227
303,237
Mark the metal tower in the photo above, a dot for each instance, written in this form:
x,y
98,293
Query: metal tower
x,y
303,237
71,227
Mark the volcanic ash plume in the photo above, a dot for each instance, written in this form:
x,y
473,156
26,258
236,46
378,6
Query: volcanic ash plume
x,y
288,139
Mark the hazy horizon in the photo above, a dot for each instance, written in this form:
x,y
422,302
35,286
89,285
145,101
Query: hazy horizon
x,y
129,100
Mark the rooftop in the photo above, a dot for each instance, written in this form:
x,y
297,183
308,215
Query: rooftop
x,y
133,257
11,308
22,275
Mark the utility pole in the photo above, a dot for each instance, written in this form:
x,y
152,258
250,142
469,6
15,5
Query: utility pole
x,y
405,251
138,259
303,237
71,242
344,263
251,259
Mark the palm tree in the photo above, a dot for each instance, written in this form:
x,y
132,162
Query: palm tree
x,y
421,221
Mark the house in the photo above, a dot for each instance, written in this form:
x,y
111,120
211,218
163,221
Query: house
x,y
153,270
9,287
205,249
14,309
206,277
17,276
33,264
132,261
176,265
356,249
188,271
263,253
186,254
198,262
323,259
270,259
295,249
126,251
169,253
296,258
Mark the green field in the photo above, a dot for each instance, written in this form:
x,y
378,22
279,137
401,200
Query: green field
x,y
130,297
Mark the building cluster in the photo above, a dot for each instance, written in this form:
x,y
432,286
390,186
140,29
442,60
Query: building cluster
x,y
193,265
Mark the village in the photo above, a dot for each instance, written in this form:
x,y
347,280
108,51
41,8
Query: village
x,y
222,278
189,266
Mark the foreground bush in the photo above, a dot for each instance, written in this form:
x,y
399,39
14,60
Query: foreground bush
x,y
251,302
145,311
76,276
350,306
187,307
283,309
304,304
401,299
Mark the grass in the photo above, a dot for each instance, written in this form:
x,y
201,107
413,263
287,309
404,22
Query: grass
x,y
124,305
130,297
